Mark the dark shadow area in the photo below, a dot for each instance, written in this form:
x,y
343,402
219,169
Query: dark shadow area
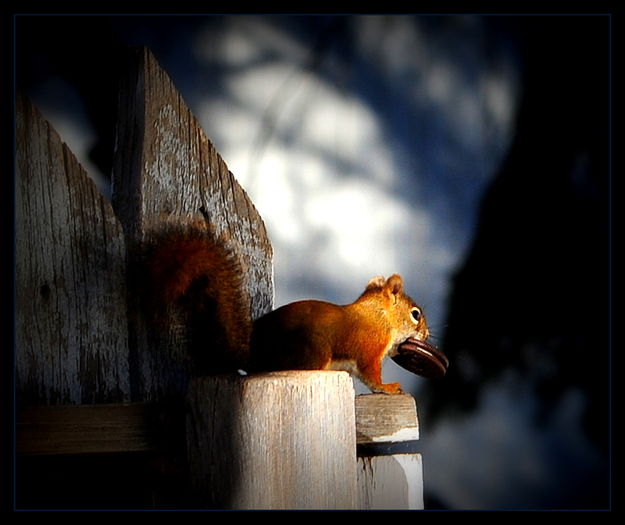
x,y
85,55
532,297
102,482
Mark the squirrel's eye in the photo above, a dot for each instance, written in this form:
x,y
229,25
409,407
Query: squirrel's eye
x,y
416,314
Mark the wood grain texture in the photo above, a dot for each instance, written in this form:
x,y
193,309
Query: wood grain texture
x,y
85,429
384,418
71,328
167,173
281,440
391,482
388,481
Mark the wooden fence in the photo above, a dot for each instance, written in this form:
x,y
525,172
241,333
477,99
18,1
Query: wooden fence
x,y
109,414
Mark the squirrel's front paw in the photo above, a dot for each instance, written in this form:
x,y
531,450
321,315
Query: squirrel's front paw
x,y
390,388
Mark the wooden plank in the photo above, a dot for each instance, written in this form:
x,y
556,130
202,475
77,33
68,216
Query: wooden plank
x,y
70,268
166,174
390,472
381,418
390,482
83,429
281,440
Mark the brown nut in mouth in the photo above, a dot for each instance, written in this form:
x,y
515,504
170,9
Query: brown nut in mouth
x,y
421,358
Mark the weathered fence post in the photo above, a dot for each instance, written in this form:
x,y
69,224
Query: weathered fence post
x,y
70,320
390,472
71,331
281,440
167,172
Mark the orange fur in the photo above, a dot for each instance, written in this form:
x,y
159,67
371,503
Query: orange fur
x,y
355,337
180,262
194,271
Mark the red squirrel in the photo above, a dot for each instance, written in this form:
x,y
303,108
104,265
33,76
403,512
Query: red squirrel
x,y
196,271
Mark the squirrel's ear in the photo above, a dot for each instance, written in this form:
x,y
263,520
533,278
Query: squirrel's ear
x,y
394,284
376,282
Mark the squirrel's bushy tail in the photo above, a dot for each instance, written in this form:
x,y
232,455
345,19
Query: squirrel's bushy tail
x,y
193,272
